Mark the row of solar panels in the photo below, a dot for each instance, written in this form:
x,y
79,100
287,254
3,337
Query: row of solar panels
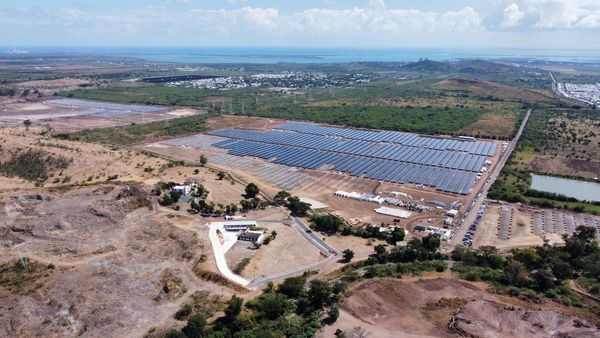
x,y
432,157
474,147
448,180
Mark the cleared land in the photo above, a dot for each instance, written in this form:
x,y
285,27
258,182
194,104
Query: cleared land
x,y
316,184
424,307
101,285
68,115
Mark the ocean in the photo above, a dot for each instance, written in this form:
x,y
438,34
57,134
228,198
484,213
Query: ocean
x,y
264,55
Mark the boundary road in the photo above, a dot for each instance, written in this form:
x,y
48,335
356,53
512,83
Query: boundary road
x,y
482,195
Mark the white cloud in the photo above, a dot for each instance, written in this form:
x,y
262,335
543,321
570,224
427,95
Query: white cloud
x,y
512,16
564,14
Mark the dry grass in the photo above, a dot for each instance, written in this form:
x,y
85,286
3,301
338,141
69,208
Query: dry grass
x,y
493,124
494,89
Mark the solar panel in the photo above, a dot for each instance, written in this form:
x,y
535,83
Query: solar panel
x,y
403,157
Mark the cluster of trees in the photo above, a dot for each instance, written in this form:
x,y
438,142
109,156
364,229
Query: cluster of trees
x,y
166,195
537,271
7,91
417,256
327,223
252,204
293,203
427,120
424,249
293,309
332,224
396,235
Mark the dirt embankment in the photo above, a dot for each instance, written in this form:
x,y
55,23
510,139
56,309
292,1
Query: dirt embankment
x,y
424,307
483,318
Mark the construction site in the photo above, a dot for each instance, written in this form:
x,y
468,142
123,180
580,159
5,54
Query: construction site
x,y
424,177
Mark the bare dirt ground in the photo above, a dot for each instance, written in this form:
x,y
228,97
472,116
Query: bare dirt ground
x,y
69,119
49,87
237,121
424,306
91,163
98,285
521,229
288,251
482,318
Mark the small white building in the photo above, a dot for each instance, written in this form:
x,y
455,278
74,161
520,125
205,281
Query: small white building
x,y
394,212
239,225
184,189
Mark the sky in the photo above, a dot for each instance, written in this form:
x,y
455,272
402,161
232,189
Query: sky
x,y
519,24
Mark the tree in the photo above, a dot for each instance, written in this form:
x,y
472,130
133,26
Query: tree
x,y
271,305
195,326
297,207
544,279
221,175
281,197
319,293
348,255
203,160
432,242
234,307
175,334
397,235
329,223
515,273
252,190
292,287
380,250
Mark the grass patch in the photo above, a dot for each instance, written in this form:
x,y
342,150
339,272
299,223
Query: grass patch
x,y
33,165
23,275
141,133
217,278
493,124
241,265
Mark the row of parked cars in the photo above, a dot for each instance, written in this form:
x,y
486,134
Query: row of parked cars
x,y
468,238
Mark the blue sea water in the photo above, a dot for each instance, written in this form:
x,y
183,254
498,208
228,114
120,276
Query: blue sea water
x,y
264,55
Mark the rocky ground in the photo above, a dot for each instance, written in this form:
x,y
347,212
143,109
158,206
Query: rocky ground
x,y
100,262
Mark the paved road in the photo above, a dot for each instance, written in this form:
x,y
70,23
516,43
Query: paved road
x,y
493,176
219,250
313,237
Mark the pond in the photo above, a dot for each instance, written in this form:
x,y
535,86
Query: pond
x,y
581,190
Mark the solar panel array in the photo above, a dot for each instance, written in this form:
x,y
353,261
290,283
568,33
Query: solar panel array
x,y
477,147
447,165
281,176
